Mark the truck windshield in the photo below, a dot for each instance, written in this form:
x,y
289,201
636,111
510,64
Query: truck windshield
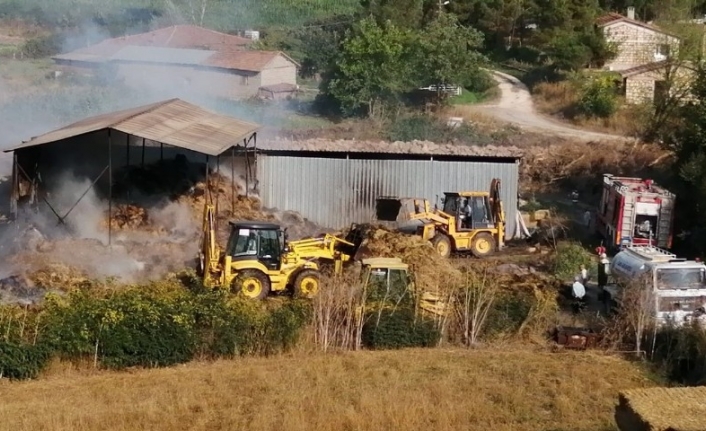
x,y
681,278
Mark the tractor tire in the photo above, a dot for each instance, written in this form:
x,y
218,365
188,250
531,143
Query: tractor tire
x,y
306,284
252,284
442,245
483,244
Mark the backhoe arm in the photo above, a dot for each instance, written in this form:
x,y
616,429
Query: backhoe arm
x,y
209,247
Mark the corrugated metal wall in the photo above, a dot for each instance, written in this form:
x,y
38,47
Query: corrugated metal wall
x,y
337,192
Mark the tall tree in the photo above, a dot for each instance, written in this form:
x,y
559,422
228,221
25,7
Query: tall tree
x,y
401,13
372,69
447,51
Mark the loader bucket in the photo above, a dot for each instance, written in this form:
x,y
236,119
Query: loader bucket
x,y
388,209
356,235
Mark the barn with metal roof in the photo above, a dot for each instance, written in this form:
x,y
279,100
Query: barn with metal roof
x,y
331,183
103,147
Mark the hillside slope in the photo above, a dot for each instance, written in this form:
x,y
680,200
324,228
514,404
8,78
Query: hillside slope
x,y
411,390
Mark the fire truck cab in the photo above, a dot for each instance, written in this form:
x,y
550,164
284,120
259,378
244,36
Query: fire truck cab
x,y
635,211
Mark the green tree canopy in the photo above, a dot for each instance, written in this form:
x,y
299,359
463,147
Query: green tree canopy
x,y
372,67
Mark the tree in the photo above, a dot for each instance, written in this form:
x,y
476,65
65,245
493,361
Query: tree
x,y
372,69
401,13
447,52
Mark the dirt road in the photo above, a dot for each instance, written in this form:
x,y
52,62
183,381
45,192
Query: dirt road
x,y
515,106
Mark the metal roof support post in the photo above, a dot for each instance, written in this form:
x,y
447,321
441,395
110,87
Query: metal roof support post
x,y
161,152
247,168
218,193
232,179
254,152
110,188
143,152
127,147
208,184
14,196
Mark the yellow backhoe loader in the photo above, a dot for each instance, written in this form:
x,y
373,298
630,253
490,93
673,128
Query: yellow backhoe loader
x,y
468,222
258,258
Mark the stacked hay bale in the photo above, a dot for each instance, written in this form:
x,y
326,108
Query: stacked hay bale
x,y
662,409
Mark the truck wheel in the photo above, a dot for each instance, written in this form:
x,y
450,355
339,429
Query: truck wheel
x,y
442,245
252,284
483,244
306,284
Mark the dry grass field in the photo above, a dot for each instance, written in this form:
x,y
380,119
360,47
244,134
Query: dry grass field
x,y
404,390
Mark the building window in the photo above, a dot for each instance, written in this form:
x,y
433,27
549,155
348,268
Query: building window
x,y
662,52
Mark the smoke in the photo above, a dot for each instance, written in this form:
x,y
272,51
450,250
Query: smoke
x,y
51,101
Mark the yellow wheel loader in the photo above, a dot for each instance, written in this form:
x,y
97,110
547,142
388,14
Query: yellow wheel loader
x,y
469,222
258,258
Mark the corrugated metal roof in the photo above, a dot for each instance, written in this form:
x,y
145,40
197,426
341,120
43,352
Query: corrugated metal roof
x,y
173,122
153,54
412,147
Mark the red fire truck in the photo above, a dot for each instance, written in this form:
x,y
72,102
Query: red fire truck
x,y
635,211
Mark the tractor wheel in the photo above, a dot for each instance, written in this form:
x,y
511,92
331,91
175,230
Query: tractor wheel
x,y
442,245
482,244
252,284
306,284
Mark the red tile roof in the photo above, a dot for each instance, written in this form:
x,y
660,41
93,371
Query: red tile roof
x,y
231,51
177,36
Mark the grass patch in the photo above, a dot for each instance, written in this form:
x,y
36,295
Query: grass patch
x,y
560,99
410,389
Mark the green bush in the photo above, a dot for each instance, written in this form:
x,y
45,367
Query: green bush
x,y
568,259
427,128
597,98
398,328
478,81
680,353
44,46
132,327
416,127
163,324
22,360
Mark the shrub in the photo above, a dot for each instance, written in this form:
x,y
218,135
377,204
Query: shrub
x,y
478,81
598,98
568,259
416,127
134,327
681,354
21,360
398,328
40,47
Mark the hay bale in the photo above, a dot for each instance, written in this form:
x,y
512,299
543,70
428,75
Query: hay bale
x,y
662,409
432,272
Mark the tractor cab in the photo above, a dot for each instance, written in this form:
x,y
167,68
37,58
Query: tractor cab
x,y
261,241
472,210
386,280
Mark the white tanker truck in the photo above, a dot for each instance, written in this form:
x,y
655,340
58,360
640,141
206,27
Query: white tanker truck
x,y
678,285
